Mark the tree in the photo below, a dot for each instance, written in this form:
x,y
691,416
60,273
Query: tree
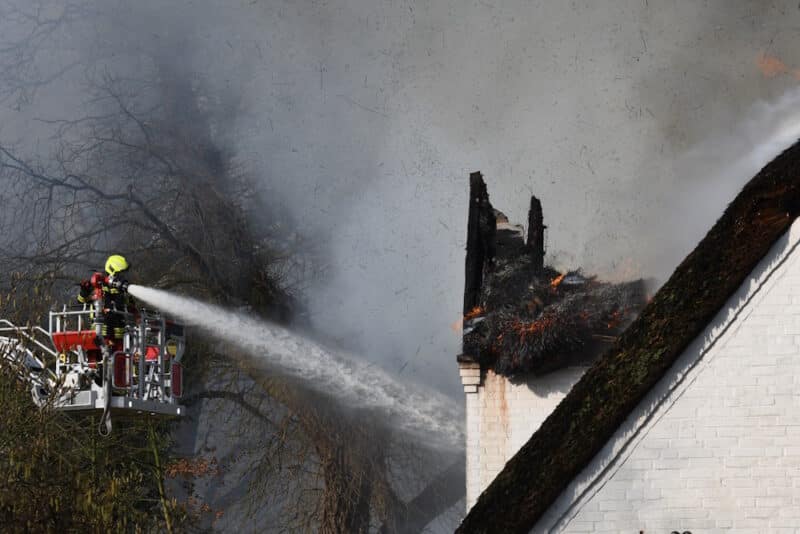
x,y
143,171
60,475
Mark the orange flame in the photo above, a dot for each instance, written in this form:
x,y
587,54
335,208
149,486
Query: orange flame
x,y
474,312
557,280
771,66
459,325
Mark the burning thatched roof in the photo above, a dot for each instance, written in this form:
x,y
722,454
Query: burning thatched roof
x,y
523,317
608,392
528,322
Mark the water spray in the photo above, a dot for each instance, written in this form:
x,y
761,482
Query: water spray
x,y
354,384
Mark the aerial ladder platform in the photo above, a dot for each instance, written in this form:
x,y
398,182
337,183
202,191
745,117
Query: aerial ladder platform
x,y
72,367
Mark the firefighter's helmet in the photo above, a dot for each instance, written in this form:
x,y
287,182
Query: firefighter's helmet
x,y
116,264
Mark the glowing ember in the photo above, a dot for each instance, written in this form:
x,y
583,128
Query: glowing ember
x,y
531,328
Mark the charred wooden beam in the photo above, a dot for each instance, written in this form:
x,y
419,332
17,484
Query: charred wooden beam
x,y
481,228
536,233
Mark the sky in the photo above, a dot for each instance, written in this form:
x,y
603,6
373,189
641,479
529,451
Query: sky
x,y
364,119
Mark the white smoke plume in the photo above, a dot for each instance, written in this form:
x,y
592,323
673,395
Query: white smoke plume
x,y
714,170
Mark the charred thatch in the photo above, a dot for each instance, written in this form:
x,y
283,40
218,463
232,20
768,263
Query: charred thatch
x,y
529,318
529,323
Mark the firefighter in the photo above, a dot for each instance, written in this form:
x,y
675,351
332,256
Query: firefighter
x,y
115,298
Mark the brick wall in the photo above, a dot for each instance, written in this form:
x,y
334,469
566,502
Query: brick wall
x,y
716,445
502,415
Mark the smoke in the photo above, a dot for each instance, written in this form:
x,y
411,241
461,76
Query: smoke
x,y
714,171
363,120
586,105
431,417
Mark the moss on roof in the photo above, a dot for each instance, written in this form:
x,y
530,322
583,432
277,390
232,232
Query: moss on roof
x,y
604,397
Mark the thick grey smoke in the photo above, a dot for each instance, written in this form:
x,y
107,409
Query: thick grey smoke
x,y
588,105
364,118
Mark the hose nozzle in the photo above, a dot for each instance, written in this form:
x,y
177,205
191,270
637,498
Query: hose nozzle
x,y
119,283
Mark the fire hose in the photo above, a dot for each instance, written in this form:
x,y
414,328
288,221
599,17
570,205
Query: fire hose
x,y
105,419
104,427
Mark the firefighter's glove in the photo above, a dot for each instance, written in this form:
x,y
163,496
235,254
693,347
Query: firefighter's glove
x,y
120,284
86,289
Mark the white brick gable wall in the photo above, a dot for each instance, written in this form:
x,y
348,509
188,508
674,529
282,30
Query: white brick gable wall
x,y
716,445
502,414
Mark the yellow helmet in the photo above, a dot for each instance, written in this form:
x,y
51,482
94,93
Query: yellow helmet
x,y
116,264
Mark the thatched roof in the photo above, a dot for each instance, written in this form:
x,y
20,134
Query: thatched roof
x,y
607,393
